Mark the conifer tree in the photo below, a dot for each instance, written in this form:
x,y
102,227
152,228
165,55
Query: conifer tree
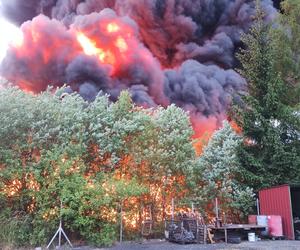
x,y
269,154
218,173
286,38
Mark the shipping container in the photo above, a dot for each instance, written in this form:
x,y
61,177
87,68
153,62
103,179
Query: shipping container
x,y
283,200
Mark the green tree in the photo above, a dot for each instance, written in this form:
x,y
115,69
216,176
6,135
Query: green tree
x,y
45,159
94,157
286,39
269,154
218,173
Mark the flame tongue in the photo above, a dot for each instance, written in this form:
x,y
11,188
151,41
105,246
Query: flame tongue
x,y
116,47
121,44
113,27
89,48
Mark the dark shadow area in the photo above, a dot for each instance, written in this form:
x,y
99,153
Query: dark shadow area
x,y
295,200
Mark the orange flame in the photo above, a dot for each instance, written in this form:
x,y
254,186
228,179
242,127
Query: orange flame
x,y
90,49
236,127
121,44
113,27
204,127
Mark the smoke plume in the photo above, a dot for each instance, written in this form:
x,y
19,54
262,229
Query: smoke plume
x,y
163,51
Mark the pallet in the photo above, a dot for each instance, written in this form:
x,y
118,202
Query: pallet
x,y
147,228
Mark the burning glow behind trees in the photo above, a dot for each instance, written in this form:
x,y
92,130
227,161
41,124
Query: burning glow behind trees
x,y
119,54
101,155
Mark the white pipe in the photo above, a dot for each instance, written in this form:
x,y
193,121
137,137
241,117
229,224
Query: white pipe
x,y
121,222
217,208
172,208
257,206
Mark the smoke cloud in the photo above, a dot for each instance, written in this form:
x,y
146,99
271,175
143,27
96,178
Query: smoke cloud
x,y
162,51
204,89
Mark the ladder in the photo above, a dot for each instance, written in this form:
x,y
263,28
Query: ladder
x,y
147,221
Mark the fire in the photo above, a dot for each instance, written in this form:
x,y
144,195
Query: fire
x,y
109,39
13,188
90,48
121,44
201,141
113,27
31,183
203,130
52,212
236,127
114,42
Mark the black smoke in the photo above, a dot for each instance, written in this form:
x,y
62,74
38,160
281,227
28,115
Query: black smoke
x,y
183,50
208,89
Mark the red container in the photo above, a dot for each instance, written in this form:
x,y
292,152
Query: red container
x,y
252,219
275,226
277,200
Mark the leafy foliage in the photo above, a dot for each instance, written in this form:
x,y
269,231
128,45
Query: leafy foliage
x,y
286,40
91,157
219,174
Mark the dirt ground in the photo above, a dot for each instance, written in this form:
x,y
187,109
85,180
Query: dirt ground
x,y
163,245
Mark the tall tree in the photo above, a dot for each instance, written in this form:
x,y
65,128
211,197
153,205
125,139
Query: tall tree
x,y
269,154
286,36
92,156
218,173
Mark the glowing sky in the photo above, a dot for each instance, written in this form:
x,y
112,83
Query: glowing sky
x,y
9,34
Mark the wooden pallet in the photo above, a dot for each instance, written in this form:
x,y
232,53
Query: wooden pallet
x,y
147,228
202,234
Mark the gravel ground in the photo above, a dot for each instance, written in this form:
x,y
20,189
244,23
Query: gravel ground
x,y
162,245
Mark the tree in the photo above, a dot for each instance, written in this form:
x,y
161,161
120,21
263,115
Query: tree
x,y
286,39
45,158
218,173
94,157
269,154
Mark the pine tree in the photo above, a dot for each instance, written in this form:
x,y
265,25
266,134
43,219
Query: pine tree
x,y
286,37
269,154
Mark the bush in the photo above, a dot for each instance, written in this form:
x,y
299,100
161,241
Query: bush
x,y
15,230
106,236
